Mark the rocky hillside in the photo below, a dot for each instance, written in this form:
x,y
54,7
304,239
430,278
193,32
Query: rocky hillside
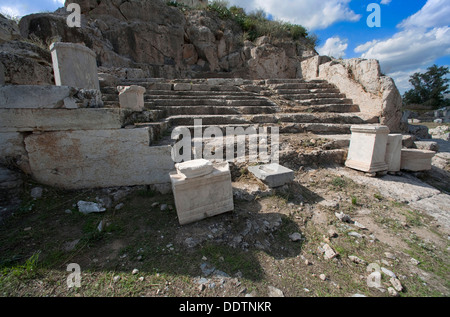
x,y
166,41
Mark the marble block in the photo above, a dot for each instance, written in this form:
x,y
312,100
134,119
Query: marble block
x,y
74,65
194,168
367,149
394,152
416,160
204,196
131,97
274,175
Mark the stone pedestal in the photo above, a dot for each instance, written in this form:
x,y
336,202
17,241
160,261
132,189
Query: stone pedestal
x,y
367,149
131,97
208,195
74,65
394,152
274,175
416,160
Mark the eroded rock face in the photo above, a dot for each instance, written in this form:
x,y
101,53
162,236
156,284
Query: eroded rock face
x,y
362,81
9,30
164,41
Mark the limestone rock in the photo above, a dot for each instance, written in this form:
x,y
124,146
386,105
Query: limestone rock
x,y
9,30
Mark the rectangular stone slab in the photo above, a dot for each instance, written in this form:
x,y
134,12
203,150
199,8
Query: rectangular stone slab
x,y
202,197
394,152
416,160
98,158
22,120
274,175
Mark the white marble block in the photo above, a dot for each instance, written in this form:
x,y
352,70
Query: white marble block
x,y
131,97
367,149
74,65
204,196
394,152
274,175
416,160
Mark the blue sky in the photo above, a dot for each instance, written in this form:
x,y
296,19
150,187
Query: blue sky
x,y
414,34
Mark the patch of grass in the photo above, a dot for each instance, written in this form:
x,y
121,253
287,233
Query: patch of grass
x,y
256,24
338,182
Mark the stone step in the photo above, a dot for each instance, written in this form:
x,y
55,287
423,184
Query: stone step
x,y
284,128
293,93
337,118
304,85
215,110
208,102
322,101
292,81
311,95
338,108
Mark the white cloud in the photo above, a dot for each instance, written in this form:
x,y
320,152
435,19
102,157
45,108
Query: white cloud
x,y
435,13
422,39
408,49
334,46
312,14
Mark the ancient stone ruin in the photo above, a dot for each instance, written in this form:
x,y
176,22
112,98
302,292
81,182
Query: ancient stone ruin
x,y
95,106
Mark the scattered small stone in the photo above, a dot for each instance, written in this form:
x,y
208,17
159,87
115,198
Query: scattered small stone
x,y
307,262
163,207
119,206
414,261
27,229
357,260
154,205
306,290
295,237
116,278
135,271
36,192
360,225
332,233
343,217
329,253
392,292
275,292
323,277
100,226
141,279
388,272
86,207
355,234
358,295
389,255
396,284
68,211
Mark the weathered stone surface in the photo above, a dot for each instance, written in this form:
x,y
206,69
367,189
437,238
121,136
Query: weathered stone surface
x,y
274,175
416,160
26,63
361,81
310,66
22,120
74,65
98,158
204,196
394,152
367,149
11,145
195,168
9,30
2,74
131,97
37,97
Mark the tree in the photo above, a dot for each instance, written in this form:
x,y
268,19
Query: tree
x,y
429,88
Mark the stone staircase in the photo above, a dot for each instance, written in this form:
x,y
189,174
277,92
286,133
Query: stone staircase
x,y
309,109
